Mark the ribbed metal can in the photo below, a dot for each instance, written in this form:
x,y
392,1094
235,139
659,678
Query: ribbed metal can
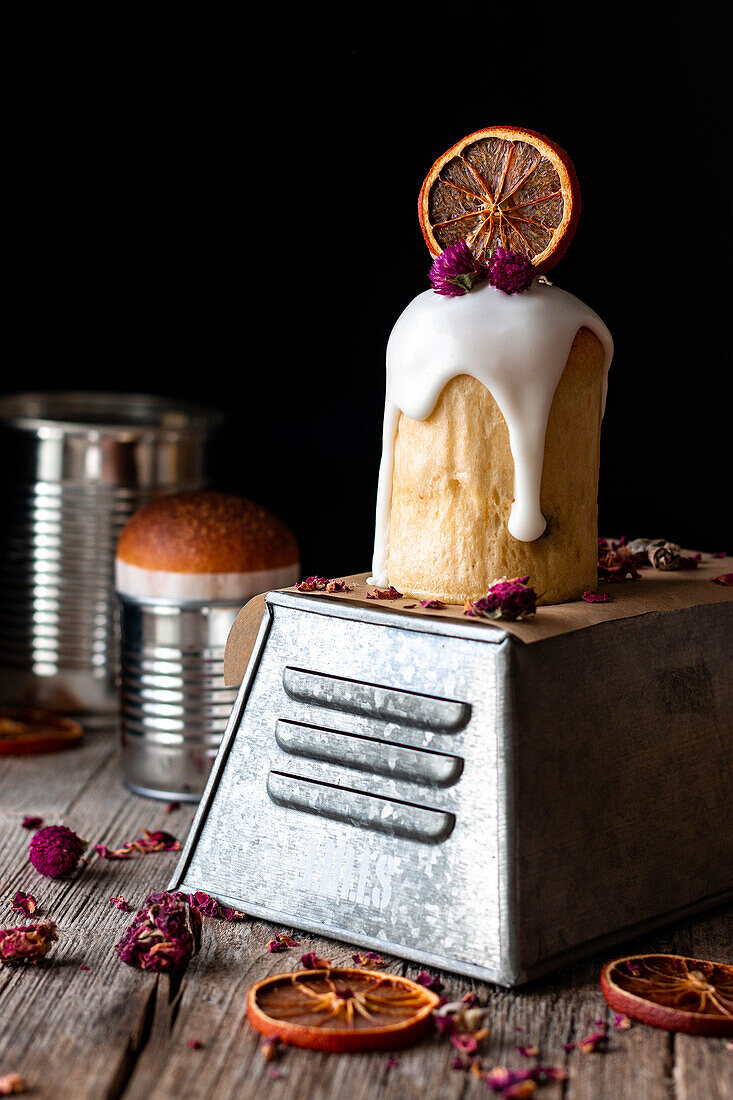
x,y
76,466
174,705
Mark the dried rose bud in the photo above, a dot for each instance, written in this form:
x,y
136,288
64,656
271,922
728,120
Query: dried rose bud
x,y
24,903
55,851
456,270
164,934
617,566
28,943
12,1084
311,961
505,599
664,555
509,271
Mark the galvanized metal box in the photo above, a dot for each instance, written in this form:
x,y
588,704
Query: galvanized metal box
x,y
439,790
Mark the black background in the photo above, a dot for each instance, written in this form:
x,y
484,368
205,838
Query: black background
x,y
227,213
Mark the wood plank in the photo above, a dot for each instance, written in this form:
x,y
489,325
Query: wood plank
x,y
111,1031
74,1033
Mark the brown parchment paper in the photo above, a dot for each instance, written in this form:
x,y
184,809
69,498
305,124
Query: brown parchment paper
x,y
655,591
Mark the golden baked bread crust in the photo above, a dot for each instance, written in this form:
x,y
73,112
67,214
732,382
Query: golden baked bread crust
x,y
206,532
453,488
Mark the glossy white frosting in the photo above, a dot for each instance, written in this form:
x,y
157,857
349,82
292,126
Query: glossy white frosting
x,y
132,580
517,345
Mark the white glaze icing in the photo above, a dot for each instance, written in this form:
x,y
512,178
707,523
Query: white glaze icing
x,y
517,345
132,580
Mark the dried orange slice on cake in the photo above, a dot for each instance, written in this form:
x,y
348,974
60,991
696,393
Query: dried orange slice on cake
x,y
502,187
672,992
340,1009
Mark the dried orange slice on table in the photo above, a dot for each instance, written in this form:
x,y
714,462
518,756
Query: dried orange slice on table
x,y
502,187
340,1009
672,992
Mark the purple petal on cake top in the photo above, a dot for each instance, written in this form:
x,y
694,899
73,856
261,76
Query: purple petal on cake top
x,y
511,272
29,943
505,599
55,851
456,270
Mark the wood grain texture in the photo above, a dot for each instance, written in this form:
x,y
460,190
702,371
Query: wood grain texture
x,y
111,1032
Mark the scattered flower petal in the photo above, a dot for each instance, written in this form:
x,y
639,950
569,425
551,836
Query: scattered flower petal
x,y
323,584
29,943
510,271
426,979
12,1084
120,902
432,605
505,599
617,566
84,967
31,823
384,594
456,270
463,1042
529,1051
194,1044
55,851
595,597
724,578
311,961
370,960
621,1022
156,841
24,903
172,806
391,1063
270,1048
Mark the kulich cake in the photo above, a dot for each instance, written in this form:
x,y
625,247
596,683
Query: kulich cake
x,y
496,387
204,546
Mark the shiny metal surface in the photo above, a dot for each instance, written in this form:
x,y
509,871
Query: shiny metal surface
x,y
588,802
174,706
77,466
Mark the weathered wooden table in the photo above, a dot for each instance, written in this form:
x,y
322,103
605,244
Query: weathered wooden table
x,y
111,1031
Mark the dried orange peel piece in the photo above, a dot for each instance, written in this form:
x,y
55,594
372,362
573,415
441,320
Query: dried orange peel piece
x,y
672,992
502,187
340,1009
28,731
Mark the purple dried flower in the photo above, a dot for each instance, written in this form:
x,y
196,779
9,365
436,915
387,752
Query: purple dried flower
x,y
511,272
164,934
426,979
55,851
433,605
210,907
505,599
29,943
120,902
455,270
390,593
36,822
463,1042
595,597
24,903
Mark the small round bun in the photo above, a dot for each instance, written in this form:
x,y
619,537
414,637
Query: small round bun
x,y
206,532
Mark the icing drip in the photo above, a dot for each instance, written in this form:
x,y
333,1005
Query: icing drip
x,y
517,345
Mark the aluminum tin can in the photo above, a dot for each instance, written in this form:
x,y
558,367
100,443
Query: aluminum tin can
x,y
174,705
76,466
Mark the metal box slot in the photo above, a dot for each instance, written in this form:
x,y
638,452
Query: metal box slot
x,y
369,754
376,701
367,811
